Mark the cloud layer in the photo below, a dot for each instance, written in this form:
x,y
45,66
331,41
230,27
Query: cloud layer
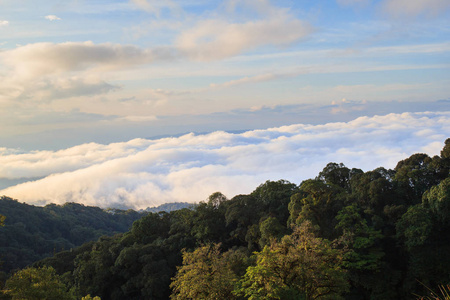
x,y
142,173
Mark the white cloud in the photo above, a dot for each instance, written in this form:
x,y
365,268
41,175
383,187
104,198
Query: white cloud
x,y
46,58
218,38
142,173
4,23
52,18
47,71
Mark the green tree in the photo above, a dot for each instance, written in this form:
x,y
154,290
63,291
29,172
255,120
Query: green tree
x,y
415,175
415,226
209,221
242,213
338,174
373,190
437,199
206,273
361,240
40,284
301,266
319,203
270,229
89,297
274,197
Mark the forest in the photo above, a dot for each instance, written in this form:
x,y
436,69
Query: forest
x,y
32,233
346,234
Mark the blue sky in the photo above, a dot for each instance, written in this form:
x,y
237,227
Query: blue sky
x,y
71,65
86,72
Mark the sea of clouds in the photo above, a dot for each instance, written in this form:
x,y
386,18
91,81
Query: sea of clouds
x,y
143,173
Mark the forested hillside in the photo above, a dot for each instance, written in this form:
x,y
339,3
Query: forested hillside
x,y
346,234
32,233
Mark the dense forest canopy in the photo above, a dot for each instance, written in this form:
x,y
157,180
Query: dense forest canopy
x,y
32,233
346,234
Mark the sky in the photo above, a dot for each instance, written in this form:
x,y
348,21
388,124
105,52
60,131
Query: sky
x,y
134,103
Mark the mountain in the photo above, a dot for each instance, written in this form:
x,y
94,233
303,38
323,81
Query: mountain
x,y
32,233
168,207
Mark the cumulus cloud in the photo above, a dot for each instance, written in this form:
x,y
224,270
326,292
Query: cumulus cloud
x,y
142,173
52,18
47,71
4,23
218,38
46,58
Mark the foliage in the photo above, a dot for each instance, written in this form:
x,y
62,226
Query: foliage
x,y
41,283
360,239
206,273
88,297
301,265
443,294
32,233
415,226
437,199
317,202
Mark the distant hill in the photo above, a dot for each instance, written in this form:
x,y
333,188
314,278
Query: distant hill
x,y
168,207
32,233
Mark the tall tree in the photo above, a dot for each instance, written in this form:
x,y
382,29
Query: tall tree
x,y
206,273
319,203
301,266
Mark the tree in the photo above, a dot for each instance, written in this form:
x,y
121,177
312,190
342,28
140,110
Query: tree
x,y
318,203
206,273
94,273
301,266
216,199
445,152
415,226
2,220
337,174
209,221
373,190
89,297
270,229
274,197
242,212
415,175
437,199
361,240
41,283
